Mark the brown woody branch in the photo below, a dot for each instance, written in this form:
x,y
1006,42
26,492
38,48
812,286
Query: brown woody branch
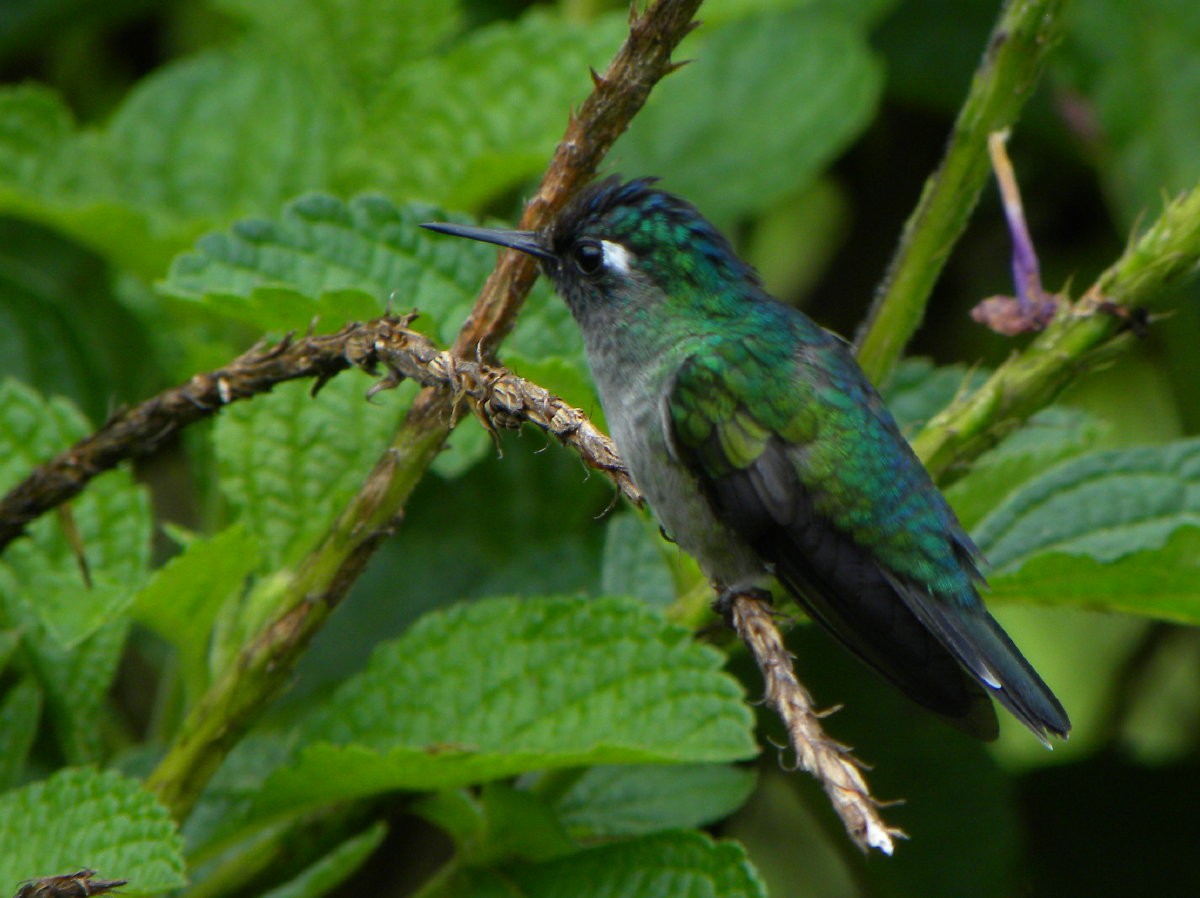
x,y
501,397
142,430
832,763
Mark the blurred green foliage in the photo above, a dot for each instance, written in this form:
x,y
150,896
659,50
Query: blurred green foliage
x,y
177,178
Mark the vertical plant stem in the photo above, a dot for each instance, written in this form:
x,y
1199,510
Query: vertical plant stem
x,y
1016,53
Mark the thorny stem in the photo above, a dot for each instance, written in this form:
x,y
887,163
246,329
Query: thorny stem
x,y
1020,43
1081,336
140,431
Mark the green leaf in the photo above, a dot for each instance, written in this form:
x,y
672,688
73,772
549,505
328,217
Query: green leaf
x,y
9,640
1163,582
1115,529
630,801
35,125
223,133
289,462
676,864
338,260
500,687
1103,505
358,42
33,429
40,573
332,870
20,709
1119,55
181,601
72,635
1052,435
634,564
519,824
918,390
81,817
768,102
62,330
76,683
463,127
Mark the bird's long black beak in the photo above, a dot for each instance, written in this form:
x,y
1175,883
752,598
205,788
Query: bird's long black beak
x,y
524,241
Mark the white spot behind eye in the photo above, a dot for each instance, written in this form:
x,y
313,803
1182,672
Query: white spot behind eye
x,y
616,257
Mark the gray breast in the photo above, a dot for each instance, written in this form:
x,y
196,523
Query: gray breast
x,y
635,412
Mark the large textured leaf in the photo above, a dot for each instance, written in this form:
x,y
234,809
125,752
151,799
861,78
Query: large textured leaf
x,y
359,42
1050,436
1104,505
1125,522
181,601
95,819
225,133
61,329
465,126
501,687
290,461
74,682
339,260
41,574
676,864
52,174
625,801
1163,582
767,103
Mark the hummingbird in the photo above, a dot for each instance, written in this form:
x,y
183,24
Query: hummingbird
x,y
764,451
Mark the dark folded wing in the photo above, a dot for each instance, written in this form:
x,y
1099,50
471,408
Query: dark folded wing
x,y
827,491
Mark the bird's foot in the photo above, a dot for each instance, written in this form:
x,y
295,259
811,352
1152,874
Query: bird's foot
x,y
723,604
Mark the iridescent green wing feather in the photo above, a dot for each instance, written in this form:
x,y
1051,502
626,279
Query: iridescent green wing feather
x,y
797,454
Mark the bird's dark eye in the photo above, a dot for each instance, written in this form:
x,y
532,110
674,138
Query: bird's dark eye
x,y
588,256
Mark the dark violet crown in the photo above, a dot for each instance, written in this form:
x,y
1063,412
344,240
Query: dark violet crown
x,y
667,234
